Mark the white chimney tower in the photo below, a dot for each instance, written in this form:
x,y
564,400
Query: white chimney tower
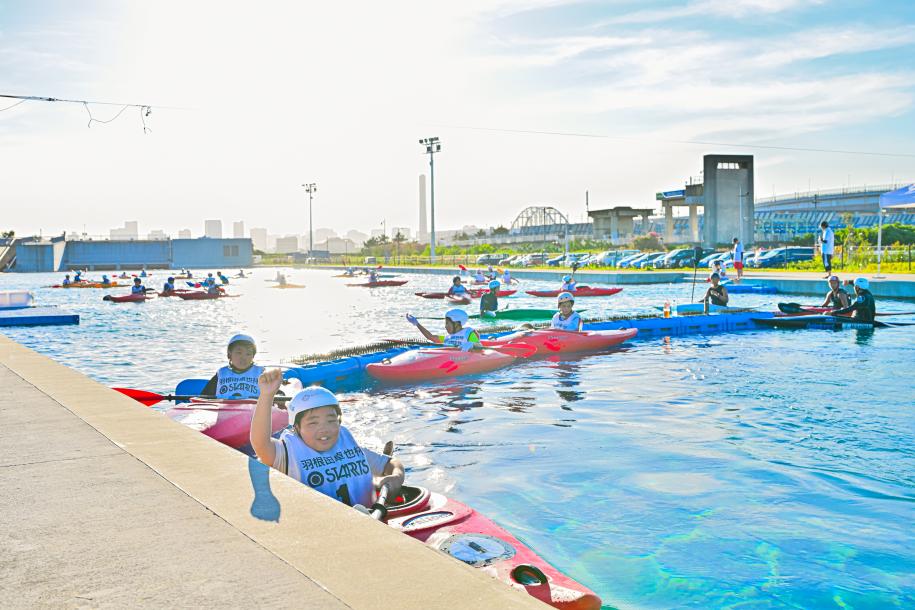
x,y
423,226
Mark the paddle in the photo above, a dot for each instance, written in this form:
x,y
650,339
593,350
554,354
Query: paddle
x,y
379,511
151,398
518,350
798,308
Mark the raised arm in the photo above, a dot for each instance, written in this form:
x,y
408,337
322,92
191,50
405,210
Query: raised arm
x,y
261,422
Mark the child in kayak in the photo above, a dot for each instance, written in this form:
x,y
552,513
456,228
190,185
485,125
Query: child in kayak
x,y
716,293
105,280
565,318
459,334
489,302
507,277
478,277
239,378
457,289
222,278
66,281
568,284
138,287
373,277
169,286
209,281
317,450
864,307
836,298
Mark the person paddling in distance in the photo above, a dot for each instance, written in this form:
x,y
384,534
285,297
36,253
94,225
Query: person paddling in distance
x,y
317,450
237,380
459,334
241,273
507,277
222,278
864,307
169,286
457,289
717,294
566,318
489,302
138,287
568,284
836,298
106,281
478,277
373,276
66,281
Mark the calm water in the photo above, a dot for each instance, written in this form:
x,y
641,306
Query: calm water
x,y
760,469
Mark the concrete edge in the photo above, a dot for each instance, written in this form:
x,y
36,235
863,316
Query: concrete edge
x,y
324,540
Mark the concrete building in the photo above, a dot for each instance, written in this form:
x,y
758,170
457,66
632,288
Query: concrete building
x,y
338,245
238,229
212,228
423,223
617,224
727,199
184,234
377,232
259,238
59,254
323,234
130,230
405,231
358,237
287,244
157,234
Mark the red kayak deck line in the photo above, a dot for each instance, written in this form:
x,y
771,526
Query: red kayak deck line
x,y
581,291
127,298
197,295
227,421
437,363
553,341
475,293
380,284
457,530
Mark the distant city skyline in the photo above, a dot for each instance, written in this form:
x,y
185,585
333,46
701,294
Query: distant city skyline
x,y
535,102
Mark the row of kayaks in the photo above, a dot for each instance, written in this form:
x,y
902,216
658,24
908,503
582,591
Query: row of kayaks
x,y
186,295
580,291
436,363
440,522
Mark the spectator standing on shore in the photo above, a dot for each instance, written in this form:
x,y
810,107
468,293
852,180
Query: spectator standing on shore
x,y
827,246
738,259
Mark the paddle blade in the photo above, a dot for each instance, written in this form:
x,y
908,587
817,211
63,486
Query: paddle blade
x,y
790,308
147,398
462,267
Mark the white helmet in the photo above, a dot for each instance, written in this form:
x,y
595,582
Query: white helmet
x,y
242,338
313,397
565,296
457,315
862,283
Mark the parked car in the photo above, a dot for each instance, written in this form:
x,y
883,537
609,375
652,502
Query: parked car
x,y
634,261
780,256
511,260
706,260
490,259
370,260
651,260
531,260
677,258
625,260
556,261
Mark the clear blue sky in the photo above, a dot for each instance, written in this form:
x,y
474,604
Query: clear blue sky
x,y
268,97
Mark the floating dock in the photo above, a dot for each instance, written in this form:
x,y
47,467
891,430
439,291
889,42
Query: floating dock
x,y
37,316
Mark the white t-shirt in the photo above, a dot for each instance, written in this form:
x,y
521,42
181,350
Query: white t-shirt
x,y
828,241
238,385
738,252
573,322
343,472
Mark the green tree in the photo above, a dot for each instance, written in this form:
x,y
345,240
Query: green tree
x,y
647,242
500,230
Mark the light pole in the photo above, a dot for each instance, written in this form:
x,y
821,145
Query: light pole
x,y
432,146
311,188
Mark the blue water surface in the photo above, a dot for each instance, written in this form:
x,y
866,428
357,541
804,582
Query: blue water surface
x,y
761,469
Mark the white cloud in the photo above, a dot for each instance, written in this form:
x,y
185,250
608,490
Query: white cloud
x,y
734,9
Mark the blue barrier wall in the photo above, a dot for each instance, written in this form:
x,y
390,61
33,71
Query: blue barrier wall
x,y
205,252
35,257
115,254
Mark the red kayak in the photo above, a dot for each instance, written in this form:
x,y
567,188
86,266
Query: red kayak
x,y
474,292
554,341
581,291
200,295
437,363
459,300
380,283
457,530
126,298
227,421
176,292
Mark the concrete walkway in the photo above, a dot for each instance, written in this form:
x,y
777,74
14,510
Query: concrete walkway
x,y
106,503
